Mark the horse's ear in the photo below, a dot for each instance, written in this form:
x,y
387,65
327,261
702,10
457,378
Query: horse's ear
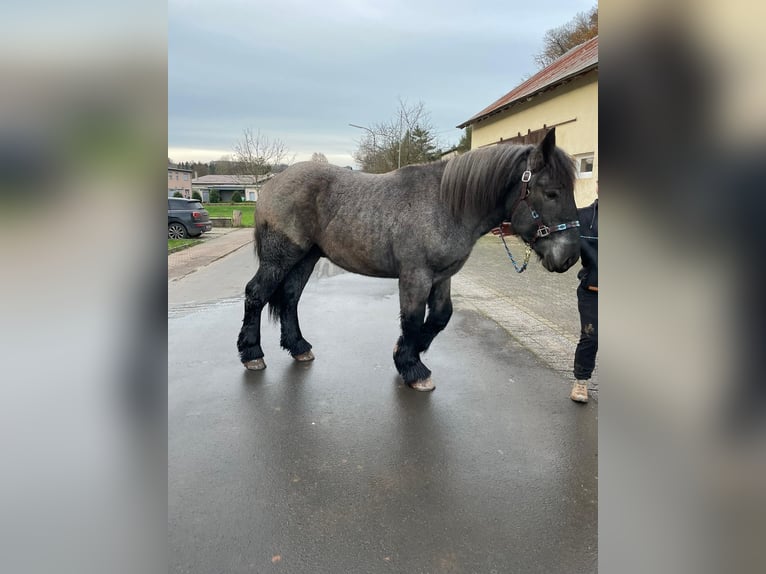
x,y
542,154
548,144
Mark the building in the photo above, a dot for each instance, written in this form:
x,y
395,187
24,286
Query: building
x,y
179,180
227,185
564,95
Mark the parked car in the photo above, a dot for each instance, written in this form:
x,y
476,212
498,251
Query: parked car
x,y
187,218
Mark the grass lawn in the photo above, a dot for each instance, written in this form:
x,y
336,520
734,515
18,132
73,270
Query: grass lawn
x,y
225,209
178,244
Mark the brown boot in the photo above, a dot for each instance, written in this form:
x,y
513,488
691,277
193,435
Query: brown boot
x,y
579,392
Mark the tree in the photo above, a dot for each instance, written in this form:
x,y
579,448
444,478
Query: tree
x,y
177,194
464,144
405,139
199,168
320,157
256,154
196,195
215,196
418,146
558,41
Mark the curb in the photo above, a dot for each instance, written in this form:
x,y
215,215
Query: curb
x,y
181,248
225,253
202,261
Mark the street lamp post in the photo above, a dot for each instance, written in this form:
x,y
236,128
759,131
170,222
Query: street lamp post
x,y
369,130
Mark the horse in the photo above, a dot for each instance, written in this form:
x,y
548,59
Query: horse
x,y
418,223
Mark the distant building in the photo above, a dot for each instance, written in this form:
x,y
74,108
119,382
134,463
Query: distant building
x,y
227,185
564,95
180,180
449,154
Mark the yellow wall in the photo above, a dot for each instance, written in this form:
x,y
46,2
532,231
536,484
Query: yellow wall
x,y
576,100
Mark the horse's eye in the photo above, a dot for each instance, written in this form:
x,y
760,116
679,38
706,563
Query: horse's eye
x,y
551,193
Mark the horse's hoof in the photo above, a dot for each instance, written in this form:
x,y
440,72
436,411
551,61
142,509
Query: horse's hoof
x,y
255,365
424,385
304,357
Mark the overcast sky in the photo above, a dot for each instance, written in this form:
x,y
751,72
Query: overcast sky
x,y
301,71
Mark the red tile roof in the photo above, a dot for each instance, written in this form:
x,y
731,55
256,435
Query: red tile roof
x,y
576,61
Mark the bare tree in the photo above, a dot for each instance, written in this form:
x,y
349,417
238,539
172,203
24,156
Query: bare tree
x,y
320,157
256,154
558,41
405,139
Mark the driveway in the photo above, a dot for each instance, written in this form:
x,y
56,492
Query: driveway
x,y
335,466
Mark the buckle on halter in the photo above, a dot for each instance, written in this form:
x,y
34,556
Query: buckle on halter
x,y
526,176
543,231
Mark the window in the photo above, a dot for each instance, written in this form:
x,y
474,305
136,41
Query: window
x,y
186,177
584,164
170,176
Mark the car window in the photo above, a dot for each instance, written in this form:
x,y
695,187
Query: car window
x,y
193,205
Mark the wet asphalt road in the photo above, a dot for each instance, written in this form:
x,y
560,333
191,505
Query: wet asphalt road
x,y
335,466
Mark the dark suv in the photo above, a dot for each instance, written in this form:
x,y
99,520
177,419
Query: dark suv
x,y
186,218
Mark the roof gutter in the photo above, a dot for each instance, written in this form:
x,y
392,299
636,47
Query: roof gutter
x,y
527,97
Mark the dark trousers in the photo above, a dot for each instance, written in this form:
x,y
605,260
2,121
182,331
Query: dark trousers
x,y
585,354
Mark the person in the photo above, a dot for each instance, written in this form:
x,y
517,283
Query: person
x,y
587,301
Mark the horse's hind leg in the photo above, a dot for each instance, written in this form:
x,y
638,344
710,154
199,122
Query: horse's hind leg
x,y
439,313
414,289
257,293
285,303
277,256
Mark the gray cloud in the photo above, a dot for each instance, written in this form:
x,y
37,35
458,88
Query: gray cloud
x,y
302,71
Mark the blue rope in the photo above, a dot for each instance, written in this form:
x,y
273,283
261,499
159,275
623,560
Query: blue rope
x,y
508,251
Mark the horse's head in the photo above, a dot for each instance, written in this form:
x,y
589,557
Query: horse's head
x,y
545,214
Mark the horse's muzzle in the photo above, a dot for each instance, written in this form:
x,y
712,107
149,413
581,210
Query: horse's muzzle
x,y
559,255
560,267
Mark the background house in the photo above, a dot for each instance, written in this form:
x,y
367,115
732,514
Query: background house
x,y
227,185
179,180
564,95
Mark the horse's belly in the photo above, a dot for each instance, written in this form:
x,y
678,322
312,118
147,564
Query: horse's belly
x,y
359,258
362,267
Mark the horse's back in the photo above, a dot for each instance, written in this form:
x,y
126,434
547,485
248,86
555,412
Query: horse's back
x,y
365,223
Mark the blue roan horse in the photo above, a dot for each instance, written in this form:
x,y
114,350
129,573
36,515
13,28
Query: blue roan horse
x,y
418,224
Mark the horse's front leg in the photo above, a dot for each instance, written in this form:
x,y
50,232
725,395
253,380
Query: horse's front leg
x,y
414,289
439,313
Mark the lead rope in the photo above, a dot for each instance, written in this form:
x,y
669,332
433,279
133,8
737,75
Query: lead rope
x,y
527,254
525,177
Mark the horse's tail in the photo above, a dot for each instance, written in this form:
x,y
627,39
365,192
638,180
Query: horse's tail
x,y
256,240
276,301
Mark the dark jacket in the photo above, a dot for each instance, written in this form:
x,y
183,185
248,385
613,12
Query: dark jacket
x,y
588,217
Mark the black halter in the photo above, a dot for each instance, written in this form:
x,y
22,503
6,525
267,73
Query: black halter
x,y
542,229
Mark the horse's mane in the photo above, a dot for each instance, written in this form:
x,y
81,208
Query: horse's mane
x,y
479,179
